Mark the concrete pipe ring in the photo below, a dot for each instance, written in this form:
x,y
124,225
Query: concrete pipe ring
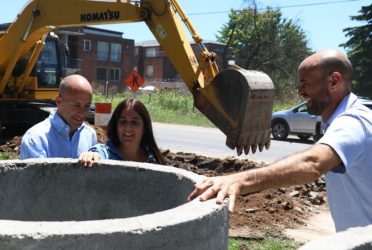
x,y
59,204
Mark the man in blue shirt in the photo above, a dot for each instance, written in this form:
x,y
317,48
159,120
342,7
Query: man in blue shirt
x,y
343,154
63,133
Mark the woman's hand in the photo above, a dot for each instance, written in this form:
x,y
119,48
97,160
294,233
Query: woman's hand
x,y
89,158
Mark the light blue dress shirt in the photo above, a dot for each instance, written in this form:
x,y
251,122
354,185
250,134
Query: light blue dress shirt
x,y
349,185
50,138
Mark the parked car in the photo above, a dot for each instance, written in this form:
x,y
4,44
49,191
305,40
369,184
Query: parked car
x,y
299,122
148,89
296,121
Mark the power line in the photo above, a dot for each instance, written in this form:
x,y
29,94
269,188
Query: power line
x,y
279,7
313,4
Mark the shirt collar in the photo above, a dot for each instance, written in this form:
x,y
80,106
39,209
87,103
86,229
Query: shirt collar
x,y
346,103
59,123
112,147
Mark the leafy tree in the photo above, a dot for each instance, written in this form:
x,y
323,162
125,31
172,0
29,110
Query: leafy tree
x,y
265,41
360,51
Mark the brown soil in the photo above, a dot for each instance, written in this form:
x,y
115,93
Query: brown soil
x,y
277,209
284,208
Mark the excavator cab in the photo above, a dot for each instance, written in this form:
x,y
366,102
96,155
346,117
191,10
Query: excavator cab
x,y
49,65
49,69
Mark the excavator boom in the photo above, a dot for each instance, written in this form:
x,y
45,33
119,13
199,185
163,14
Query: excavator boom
x,y
237,101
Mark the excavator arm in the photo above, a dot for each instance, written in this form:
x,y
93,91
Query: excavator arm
x,y
239,102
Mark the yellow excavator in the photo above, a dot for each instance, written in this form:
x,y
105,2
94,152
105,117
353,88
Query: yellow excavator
x,y
238,101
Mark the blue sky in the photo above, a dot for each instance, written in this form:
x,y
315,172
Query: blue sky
x,y
322,21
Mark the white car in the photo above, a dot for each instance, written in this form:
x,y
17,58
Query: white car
x,y
148,89
296,121
299,122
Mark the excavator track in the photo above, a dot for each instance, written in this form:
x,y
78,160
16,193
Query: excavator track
x,y
18,115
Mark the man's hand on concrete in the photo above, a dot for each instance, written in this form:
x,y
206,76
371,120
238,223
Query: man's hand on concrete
x,y
222,186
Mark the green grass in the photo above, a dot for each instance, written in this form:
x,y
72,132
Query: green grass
x,y
176,107
172,107
278,105
8,156
273,241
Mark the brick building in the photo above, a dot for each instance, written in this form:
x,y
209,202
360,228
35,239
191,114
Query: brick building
x,y
154,65
104,57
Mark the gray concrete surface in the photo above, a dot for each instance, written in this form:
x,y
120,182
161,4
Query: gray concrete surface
x,y
58,204
358,238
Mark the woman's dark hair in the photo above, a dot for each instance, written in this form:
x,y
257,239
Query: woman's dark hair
x,y
148,135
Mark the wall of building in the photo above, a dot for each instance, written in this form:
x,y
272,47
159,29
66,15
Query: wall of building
x,y
148,58
163,70
85,62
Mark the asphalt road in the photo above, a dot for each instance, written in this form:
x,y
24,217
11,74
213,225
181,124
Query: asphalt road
x,y
211,142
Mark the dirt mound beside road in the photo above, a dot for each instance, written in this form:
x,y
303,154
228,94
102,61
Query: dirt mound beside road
x,y
279,209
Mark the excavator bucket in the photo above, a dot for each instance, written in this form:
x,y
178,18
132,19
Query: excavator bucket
x,y
239,102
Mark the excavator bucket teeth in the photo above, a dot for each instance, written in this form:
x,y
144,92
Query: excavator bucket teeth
x,y
239,102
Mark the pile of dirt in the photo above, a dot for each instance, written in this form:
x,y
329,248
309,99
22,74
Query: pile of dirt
x,y
277,209
11,145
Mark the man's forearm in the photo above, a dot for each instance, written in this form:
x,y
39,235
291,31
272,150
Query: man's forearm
x,y
297,169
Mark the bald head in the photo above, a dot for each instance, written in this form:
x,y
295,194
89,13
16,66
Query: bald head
x,y
324,80
329,61
73,100
74,84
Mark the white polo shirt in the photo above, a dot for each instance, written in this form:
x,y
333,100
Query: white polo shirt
x,y
349,186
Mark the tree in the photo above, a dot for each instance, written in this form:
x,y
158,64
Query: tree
x,y
360,51
265,41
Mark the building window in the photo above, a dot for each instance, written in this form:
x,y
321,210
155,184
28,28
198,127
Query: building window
x,y
87,45
150,52
149,71
136,52
102,74
115,75
102,51
115,53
